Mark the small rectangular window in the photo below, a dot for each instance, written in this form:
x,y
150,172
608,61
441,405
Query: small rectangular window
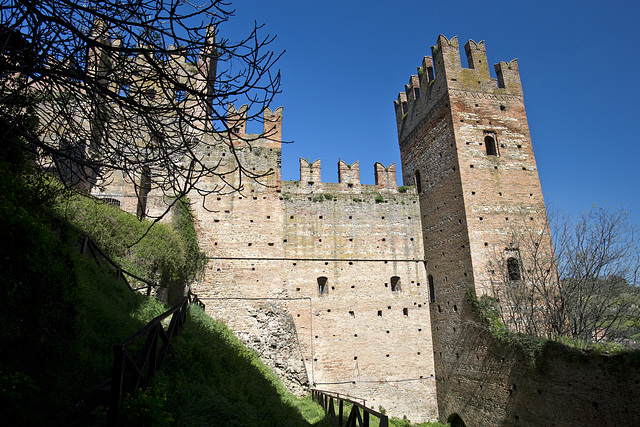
x,y
395,284
323,288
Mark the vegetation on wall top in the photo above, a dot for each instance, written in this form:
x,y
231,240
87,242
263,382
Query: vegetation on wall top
x,y
168,256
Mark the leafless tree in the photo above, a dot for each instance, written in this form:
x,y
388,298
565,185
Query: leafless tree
x,y
138,87
583,285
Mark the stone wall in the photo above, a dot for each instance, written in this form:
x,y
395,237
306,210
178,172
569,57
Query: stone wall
x,y
342,261
356,252
495,384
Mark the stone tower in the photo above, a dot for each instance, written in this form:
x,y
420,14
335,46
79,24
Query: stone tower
x,y
465,144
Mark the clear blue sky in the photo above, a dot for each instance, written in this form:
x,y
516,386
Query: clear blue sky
x,y
346,61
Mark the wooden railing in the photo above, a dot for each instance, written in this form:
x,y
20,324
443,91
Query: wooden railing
x,y
358,416
133,372
89,247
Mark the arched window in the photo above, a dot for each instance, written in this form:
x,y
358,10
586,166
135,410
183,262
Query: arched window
x,y
513,269
490,144
455,420
418,182
432,291
395,284
323,289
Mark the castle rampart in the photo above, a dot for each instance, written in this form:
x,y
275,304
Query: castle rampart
x,y
342,260
362,289
465,145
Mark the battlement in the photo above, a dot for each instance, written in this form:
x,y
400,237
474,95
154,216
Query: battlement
x,y
172,80
386,177
236,122
273,124
443,72
309,173
348,177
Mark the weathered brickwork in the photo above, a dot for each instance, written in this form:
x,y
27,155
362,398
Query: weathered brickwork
x,y
492,384
370,330
465,144
326,281
362,289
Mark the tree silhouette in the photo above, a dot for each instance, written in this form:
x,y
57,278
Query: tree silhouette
x,y
136,88
584,286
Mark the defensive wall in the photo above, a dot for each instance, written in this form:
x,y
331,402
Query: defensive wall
x,y
362,289
325,280
465,144
495,384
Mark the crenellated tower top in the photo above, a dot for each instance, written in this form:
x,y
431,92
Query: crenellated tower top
x,y
443,72
236,123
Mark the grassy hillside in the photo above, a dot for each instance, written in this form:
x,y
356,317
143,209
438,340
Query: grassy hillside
x,y
165,254
211,378
62,314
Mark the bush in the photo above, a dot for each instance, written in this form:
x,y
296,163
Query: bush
x,y
167,256
147,407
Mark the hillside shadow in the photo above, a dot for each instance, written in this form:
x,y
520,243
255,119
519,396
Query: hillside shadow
x,y
211,378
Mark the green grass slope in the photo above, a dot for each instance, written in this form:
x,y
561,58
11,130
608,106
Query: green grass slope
x,y
62,313
210,378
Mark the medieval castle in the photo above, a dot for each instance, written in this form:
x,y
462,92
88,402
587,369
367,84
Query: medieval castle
x,y
362,289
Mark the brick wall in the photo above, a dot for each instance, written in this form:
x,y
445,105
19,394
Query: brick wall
x,y
272,246
495,384
465,143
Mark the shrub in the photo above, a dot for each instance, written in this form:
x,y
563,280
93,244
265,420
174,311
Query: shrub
x,y
165,255
147,407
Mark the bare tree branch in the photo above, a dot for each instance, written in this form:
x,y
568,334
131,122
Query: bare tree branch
x,y
585,287
139,88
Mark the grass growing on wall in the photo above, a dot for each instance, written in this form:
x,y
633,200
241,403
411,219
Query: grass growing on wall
x,y
167,255
537,348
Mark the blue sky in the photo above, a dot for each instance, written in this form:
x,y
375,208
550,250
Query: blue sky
x,y
346,61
